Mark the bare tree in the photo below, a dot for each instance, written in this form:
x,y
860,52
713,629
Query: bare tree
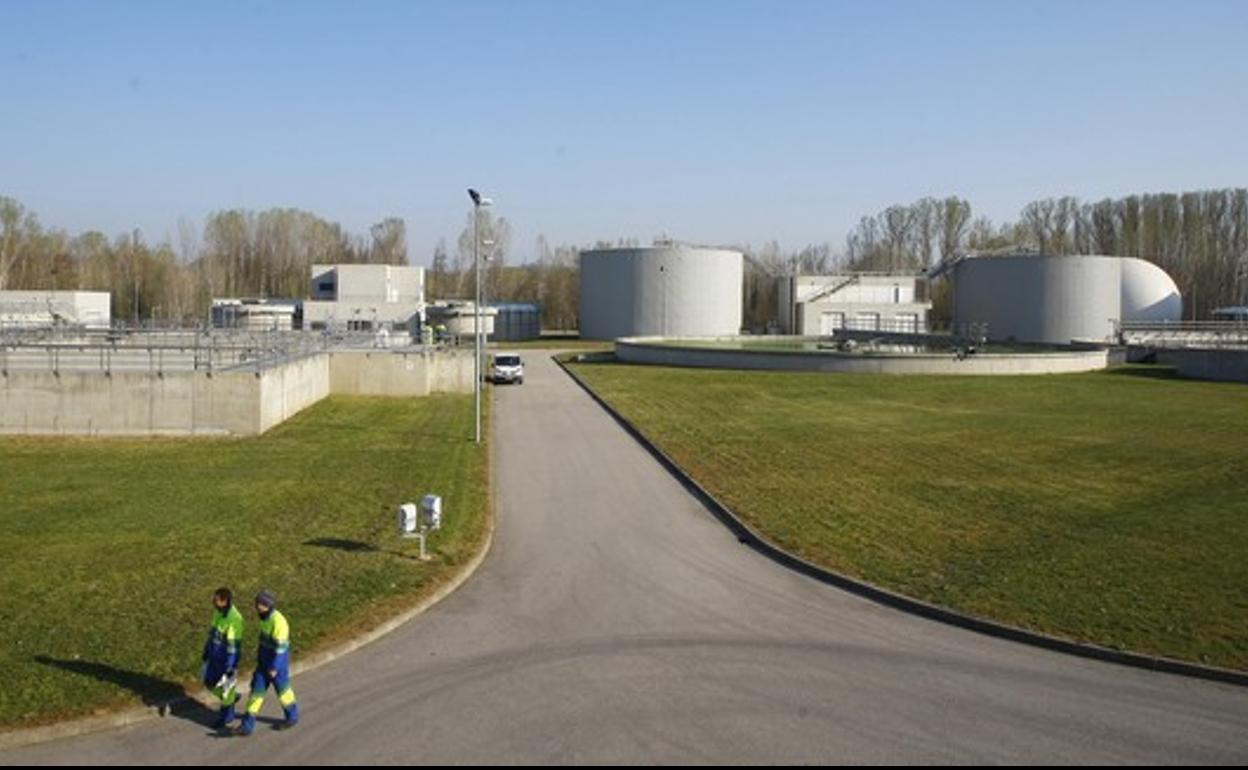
x,y
389,242
955,215
12,216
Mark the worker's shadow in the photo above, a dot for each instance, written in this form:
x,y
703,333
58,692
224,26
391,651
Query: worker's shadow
x,y
170,698
355,546
338,544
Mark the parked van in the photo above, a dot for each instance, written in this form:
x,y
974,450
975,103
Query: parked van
x,y
506,367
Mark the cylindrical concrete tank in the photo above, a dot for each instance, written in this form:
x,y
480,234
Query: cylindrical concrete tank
x,y
674,291
1149,293
1031,298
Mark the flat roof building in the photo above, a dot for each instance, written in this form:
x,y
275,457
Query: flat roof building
x,y
366,298
811,305
35,309
254,314
455,318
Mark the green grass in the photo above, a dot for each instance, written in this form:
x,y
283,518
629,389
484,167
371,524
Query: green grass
x,y
1108,507
110,549
553,342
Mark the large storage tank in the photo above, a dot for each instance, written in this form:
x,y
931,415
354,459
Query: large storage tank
x,y
673,291
1057,299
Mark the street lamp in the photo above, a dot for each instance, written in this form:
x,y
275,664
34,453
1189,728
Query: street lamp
x,y
477,202
488,243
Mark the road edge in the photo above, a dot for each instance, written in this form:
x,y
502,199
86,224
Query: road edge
x,y
748,536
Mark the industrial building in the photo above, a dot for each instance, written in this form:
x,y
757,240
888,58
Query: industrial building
x,y
366,298
517,321
670,290
1058,299
820,304
255,314
454,318
37,309
1237,313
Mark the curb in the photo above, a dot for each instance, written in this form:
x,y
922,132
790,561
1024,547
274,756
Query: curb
x,y
748,536
34,735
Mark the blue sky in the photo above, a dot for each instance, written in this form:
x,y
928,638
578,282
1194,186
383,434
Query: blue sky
x,y
723,122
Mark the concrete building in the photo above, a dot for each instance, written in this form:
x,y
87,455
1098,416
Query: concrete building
x,y
820,304
456,316
366,298
666,290
33,309
1059,299
254,314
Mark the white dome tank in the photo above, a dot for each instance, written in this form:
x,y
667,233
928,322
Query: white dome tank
x,y
1149,293
1059,299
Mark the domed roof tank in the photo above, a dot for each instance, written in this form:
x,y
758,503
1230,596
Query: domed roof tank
x,y
1149,293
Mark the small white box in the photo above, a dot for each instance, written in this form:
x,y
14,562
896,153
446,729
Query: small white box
x,y
431,511
407,518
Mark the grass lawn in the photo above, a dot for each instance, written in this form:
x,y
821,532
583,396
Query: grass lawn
x,y
110,548
1108,507
552,342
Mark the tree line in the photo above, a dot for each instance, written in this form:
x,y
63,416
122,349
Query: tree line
x,y
238,253
1200,238
270,253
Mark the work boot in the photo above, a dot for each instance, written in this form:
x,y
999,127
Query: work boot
x,y
224,717
248,725
292,717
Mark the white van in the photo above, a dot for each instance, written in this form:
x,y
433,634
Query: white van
x,y
506,367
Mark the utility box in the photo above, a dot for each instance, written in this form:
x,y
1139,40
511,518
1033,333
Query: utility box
x,y
407,518
431,511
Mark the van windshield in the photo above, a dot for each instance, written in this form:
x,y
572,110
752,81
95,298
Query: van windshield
x,y
507,361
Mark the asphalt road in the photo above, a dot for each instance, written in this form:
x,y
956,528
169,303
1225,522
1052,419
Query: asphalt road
x,y
617,621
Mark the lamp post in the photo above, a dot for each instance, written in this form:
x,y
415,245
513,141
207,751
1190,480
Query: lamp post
x,y
477,202
485,293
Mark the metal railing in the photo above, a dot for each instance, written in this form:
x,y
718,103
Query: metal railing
x,y
1184,334
154,351
159,350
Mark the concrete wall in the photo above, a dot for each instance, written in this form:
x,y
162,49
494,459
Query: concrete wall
x,y
178,403
129,403
385,373
651,352
1224,365
290,388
